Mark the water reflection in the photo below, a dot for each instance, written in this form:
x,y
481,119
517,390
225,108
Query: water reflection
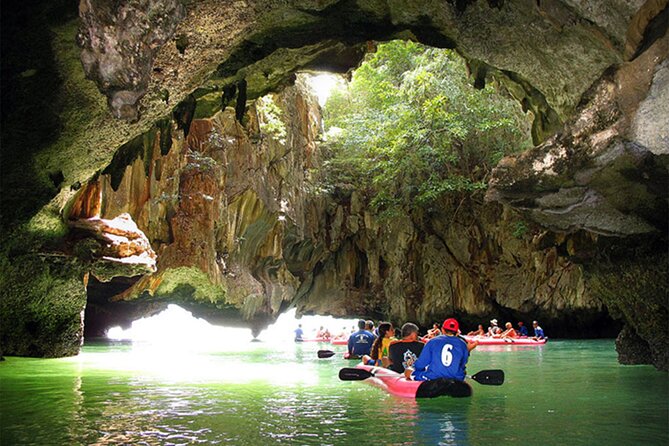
x,y
444,422
439,421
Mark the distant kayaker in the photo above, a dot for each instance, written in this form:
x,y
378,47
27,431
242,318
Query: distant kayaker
x,y
379,353
360,342
478,332
538,331
405,352
299,333
342,334
369,326
494,329
509,332
442,357
522,329
433,332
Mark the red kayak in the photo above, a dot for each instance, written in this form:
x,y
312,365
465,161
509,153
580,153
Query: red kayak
x,y
314,340
396,384
485,340
339,342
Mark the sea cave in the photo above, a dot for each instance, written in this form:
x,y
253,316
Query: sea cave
x,y
387,160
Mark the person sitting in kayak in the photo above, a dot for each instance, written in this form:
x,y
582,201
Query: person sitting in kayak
x,y
538,331
478,332
369,326
299,333
522,329
342,334
360,342
379,353
509,332
442,357
433,332
405,352
494,329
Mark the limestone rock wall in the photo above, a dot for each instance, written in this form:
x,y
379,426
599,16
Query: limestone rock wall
x,y
238,223
216,205
476,267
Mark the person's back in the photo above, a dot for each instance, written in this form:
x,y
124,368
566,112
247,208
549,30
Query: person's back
x,y
360,342
405,352
299,333
442,357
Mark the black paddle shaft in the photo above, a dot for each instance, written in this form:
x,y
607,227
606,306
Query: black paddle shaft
x,y
484,377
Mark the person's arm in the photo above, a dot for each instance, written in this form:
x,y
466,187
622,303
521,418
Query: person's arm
x,y
350,345
421,363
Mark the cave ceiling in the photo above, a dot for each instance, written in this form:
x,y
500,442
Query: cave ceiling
x,y
145,58
549,52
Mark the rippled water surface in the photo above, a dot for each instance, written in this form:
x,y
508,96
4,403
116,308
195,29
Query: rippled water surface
x,y
566,392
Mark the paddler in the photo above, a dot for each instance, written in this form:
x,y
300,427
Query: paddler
x,y
379,353
405,352
445,356
360,342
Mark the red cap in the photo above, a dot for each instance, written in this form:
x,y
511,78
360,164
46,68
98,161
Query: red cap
x,y
451,325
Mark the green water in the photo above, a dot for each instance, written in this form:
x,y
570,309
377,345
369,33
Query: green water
x,y
567,392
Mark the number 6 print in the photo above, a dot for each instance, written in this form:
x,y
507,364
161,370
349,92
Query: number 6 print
x,y
446,355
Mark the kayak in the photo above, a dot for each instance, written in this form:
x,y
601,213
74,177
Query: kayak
x,y
485,340
339,342
396,384
314,340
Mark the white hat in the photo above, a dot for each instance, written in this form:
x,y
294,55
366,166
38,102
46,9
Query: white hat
x,y
493,321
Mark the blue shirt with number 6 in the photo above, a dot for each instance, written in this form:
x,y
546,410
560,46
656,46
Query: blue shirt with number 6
x,y
442,357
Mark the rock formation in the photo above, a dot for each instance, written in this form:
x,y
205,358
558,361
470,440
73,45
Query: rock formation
x,y
224,203
240,226
119,41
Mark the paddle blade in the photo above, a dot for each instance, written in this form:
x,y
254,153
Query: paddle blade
x,y
352,374
325,353
489,377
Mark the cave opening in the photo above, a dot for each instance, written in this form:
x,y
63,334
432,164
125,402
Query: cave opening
x,y
175,327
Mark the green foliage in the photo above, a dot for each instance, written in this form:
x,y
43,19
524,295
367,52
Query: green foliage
x,y
270,119
411,130
520,229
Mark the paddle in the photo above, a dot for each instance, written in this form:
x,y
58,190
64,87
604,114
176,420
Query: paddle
x,y
489,377
325,353
485,377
